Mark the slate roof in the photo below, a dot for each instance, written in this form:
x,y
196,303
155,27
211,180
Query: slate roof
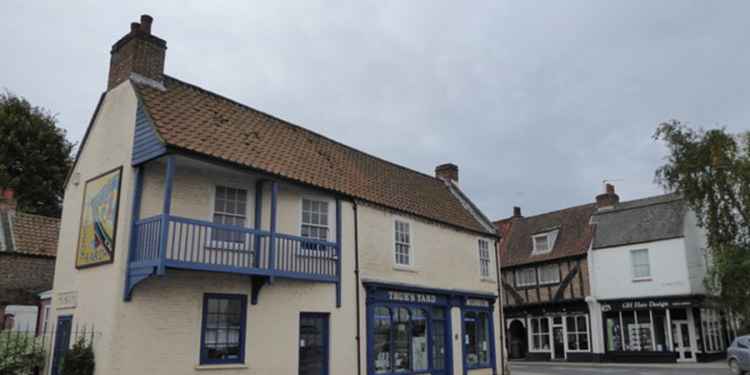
x,y
643,220
28,233
189,118
574,236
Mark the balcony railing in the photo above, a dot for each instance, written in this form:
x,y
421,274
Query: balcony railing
x,y
201,245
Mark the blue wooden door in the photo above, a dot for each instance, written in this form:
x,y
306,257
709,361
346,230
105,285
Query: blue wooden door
x,y
313,344
62,341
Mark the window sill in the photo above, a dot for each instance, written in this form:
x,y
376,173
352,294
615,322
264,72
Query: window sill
x,y
228,366
404,268
642,279
489,280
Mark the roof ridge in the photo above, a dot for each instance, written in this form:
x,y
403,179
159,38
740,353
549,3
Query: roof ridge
x,y
289,123
547,213
676,197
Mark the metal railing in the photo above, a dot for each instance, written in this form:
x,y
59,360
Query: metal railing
x,y
26,351
202,245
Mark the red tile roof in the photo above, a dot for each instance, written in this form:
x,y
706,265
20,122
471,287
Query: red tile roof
x,y
34,234
192,119
574,236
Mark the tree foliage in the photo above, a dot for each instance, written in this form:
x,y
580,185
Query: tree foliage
x,y
79,360
35,156
711,169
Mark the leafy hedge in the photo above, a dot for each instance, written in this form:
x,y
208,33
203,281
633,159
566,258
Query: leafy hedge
x,y
20,353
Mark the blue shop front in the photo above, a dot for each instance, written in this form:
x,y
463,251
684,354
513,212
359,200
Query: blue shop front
x,y
412,330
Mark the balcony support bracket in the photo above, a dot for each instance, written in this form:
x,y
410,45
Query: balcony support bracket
x,y
257,284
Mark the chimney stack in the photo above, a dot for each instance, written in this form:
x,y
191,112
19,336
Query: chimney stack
x,y
447,171
137,52
609,199
517,212
8,200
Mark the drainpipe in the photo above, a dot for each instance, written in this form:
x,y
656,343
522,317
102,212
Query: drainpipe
x,y
503,358
356,287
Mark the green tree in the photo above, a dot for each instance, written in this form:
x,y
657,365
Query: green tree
x,y
711,169
34,155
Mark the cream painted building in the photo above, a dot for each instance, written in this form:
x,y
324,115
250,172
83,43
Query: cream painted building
x,y
200,234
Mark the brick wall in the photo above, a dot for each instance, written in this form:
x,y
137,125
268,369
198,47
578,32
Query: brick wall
x,y
22,276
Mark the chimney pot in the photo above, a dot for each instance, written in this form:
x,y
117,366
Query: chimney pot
x,y
146,22
134,26
517,212
447,171
8,200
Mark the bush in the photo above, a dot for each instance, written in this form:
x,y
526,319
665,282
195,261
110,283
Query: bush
x,y
20,353
79,360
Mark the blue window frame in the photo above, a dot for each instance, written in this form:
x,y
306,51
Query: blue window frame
x,y
478,339
223,328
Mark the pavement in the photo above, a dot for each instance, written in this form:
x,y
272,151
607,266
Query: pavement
x,y
563,368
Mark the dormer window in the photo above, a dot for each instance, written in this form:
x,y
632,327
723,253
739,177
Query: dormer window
x,y
543,242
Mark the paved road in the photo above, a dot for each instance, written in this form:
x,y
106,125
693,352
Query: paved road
x,y
715,368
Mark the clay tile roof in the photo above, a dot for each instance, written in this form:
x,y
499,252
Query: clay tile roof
x,y
192,119
574,236
35,234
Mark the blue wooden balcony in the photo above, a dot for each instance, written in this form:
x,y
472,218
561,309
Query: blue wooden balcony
x,y
165,241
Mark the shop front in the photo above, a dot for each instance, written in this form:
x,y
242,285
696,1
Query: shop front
x,y
669,329
410,330
550,332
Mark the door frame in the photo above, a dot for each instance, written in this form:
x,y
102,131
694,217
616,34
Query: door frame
x,y
55,363
681,353
564,331
326,317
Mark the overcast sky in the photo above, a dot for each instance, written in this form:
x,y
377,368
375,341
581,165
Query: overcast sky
x,y
537,102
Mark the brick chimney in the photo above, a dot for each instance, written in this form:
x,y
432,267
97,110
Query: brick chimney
x,y
137,52
7,199
609,199
447,171
517,211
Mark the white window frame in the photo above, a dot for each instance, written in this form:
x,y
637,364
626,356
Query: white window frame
x,y
330,228
396,264
532,334
635,277
216,244
577,332
484,260
527,269
556,280
551,237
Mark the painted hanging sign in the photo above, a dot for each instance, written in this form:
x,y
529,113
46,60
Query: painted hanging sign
x,y
648,303
96,239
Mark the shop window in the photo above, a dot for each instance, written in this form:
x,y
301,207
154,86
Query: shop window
x,y
660,330
711,329
401,336
525,277
438,338
613,329
223,332
539,334
419,340
476,339
230,208
382,340
640,264
578,333
403,243
549,274
484,258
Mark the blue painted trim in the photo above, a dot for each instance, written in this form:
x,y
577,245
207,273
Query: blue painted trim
x,y
204,360
166,209
135,218
146,142
326,337
59,349
338,252
489,311
272,240
258,219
